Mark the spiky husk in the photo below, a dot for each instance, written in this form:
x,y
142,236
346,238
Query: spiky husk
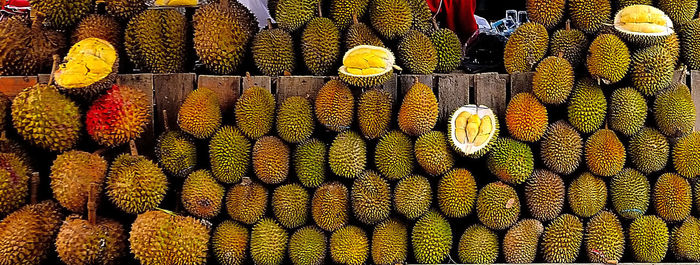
x,y
72,174
181,239
135,184
119,116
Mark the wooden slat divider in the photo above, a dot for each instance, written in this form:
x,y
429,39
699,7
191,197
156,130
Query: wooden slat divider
x,y
303,86
453,92
261,81
227,88
490,90
521,82
171,90
695,93
12,85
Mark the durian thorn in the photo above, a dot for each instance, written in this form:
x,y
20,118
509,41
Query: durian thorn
x,y
92,202
165,121
54,68
354,19
35,181
132,147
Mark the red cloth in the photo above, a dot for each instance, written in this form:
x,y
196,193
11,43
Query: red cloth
x,y
458,15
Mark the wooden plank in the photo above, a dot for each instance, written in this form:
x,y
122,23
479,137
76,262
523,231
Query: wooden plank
x,y
261,81
453,92
695,94
143,82
680,76
521,82
43,78
228,89
170,92
392,88
406,81
12,85
304,86
490,90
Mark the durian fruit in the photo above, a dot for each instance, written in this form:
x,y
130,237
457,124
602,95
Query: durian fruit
x,y
27,235
604,238
391,18
72,173
562,239
686,155
605,154
422,15
525,48
98,26
456,193
431,238
229,154
292,15
349,245
46,118
14,183
674,111
683,240
229,243
307,246
521,240
561,148
672,44
101,241
320,46
648,150
690,43
417,53
330,206
526,117
628,111
478,245
433,154
177,153
394,156
589,16
374,113
26,47
413,196
367,66
246,202
553,80
371,198
498,206
135,184
648,239
180,239
273,51
587,106
310,162
571,43
361,34
271,160
8,145
389,242
89,68
119,116
448,48
201,195
608,57
335,106
544,195
629,193
673,197
62,15
680,11
268,242
255,112
419,110
295,120
547,13
651,70
473,130
124,10
643,25
587,195
343,12
511,161
200,113
347,156
155,40
290,204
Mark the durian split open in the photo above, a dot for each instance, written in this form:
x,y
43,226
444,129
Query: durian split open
x,y
367,66
90,67
472,127
643,25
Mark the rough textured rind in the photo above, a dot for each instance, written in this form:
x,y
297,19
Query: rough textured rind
x,y
155,40
246,202
433,154
201,195
628,111
14,183
448,48
330,206
521,240
526,118
553,80
478,245
608,57
374,113
200,114
674,111
320,43
343,11
572,43
684,243
295,120
679,11
587,195
673,197
422,15
176,153
271,160
686,155
604,238
417,53
419,110
547,13
525,48
511,161
587,106
229,154
229,243
456,193
268,242
291,15
629,193
78,242
307,246
349,245
371,198
119,116
648,239
394,155
544,195
347,156
255,112
361,34
98,26
498,206
310,162
605,154
413,196
431,238
589,16
562,239
27,49
135,184
273,52
335,106
648,150
72,174
389,242
651,69
561,148
27,235
689,34
290,204
180,239
124,9
391,18
62,14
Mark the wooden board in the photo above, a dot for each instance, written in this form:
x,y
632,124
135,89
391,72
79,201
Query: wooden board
x,y
490,90
453,93
680,76
695,93
392,87
521,82
406,82
227,88
12,85
261,81
143,82
304,86
170,92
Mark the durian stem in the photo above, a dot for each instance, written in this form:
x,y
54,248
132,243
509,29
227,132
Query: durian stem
x,y
568,24
34,192
355,21
246,181
320,9
249,79
269,23
560,54
54,67
100,151
3,137
165,121
92,203
132,147
435,25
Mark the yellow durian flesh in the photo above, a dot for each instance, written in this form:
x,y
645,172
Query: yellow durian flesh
x,y
643,19
87,62
472,128
370,60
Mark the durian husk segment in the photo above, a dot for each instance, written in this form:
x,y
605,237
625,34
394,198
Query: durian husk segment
x,y
605,153
589,15
521,240
295,120
674,111
99,26
27,235
374,113
159,237
202,195
431,238
176,153
292,15
246,202
155,41
268,242
546,12
686,155
448,48
389,242
307,246
587,195
413,196
349,245
320,45
652,70
689,34
511,161
604,238
271,160
545,193
526,118
394,156
380,61
498,206
124,10
553,80
478,245
27,48
628,111
119,116
422,16
456,193
80,242
572,43
561,148
89,68
391,18
680,11
525,48
608,58
643,25
417,53
72,174
587,106
14,183
371,198
62,14
255,112
200,113
649,150
347,156
361,34
648,239
433,154
335,106
229,154
330,206
684,243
